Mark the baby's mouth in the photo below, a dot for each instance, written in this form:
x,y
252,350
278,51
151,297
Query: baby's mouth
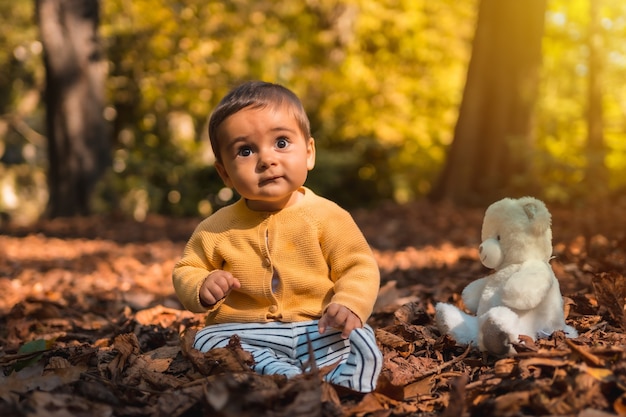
x,y
269,180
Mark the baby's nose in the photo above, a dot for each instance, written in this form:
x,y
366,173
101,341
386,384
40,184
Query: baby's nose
x,y
266,159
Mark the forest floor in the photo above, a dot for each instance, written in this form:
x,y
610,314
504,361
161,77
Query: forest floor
x,y
90,326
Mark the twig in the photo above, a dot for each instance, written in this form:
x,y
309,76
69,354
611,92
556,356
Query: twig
x,y
310,362
21,127
445,365
587,356
11,359
481,382
542,354
595,327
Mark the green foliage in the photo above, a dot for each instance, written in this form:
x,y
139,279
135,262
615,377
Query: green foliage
x,y
18,38
32,352
561,112
23,192
381,81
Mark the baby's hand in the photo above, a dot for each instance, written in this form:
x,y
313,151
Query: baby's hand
x,y
217,286
340,318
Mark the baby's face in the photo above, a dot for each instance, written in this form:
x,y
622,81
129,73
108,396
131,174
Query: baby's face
x,y
265,156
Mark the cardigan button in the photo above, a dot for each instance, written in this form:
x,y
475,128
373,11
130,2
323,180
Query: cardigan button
x,y
273,309
267,262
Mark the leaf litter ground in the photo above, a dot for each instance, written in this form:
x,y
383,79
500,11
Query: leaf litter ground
x,y
89,326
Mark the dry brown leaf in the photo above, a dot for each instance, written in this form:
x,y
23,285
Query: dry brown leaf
x,y
370,404
505,367
176,402
394,342
610,290
590,412
543,404
160,315
411,313
66,405
127,346
387,296
427,255
456,403
231,358
532,367
36,378
164,352
600,374
510,403
418,388
158,365
619,405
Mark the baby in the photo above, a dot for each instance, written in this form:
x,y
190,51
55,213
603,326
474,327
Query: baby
x,y
282,265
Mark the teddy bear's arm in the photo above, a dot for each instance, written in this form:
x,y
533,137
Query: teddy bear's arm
x,y
526,288
471,294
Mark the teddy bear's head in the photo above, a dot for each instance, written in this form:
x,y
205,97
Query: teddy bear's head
x,y
514,231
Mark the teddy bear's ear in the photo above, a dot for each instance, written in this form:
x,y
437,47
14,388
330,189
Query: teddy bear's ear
x,y
538,216
530,209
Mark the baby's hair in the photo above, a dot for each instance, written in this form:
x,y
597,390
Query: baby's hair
x,y
255,94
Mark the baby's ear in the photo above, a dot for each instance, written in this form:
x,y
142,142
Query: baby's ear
x,y
221,171
310,160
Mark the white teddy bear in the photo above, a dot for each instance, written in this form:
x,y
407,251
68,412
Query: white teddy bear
x,y
522,296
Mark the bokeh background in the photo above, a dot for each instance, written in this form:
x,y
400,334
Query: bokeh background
x,y
104,103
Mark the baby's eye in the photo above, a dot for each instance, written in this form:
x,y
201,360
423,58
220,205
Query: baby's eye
x,y
282,143
498,237
244,151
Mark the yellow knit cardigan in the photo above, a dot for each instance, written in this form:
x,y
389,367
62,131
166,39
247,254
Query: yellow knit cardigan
x,y
313,250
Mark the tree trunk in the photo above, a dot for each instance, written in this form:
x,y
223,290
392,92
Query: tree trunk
x,y
490,156
596,175
78,144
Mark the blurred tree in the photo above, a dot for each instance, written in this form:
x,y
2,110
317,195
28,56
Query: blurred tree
x,y
563,112
382,81
491,154
78,144
596,175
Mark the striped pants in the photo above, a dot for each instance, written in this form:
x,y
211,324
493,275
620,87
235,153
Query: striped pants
x,y
282,348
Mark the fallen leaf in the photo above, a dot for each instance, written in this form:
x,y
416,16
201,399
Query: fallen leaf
x,y
102,291
610,290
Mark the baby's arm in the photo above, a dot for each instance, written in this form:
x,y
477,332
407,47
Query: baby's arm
x,y
353,270
216,286
341,318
